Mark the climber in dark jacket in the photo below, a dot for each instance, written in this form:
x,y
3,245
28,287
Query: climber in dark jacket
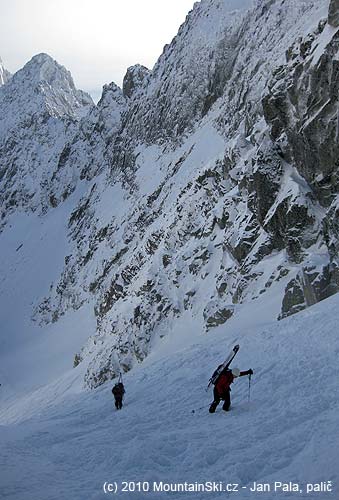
x,y
222,387
118,393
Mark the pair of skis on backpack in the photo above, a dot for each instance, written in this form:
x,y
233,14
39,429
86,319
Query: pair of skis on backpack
x,y
223,366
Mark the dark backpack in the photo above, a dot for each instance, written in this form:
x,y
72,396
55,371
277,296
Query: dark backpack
x,y
216,375
118,389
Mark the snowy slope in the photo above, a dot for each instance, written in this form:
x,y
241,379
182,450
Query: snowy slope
x,y
66,443
32,256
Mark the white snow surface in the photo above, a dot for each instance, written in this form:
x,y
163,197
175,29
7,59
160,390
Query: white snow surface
x,y
326,36
65,443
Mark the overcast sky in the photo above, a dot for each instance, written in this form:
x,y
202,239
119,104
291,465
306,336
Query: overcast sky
x,y
95,39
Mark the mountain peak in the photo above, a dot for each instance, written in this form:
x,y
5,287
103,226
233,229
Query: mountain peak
x,y
41,89
42,58
43,68
50,86
134,79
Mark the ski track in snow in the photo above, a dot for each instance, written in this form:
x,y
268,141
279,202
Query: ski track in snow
x,y
287,432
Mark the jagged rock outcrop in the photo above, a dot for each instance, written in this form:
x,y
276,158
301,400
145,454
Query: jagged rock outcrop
x,y
90,151
333,13
135,79
187,79
4,74
302,108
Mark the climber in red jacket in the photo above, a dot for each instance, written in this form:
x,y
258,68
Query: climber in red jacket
x,y
222,387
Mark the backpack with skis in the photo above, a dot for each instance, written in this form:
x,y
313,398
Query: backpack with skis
x,y
118,390
223,366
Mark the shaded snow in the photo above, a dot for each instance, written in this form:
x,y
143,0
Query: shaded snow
x,y
33,250
287,432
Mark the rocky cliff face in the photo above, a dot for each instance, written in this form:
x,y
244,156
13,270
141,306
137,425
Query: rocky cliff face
x,y
301,108
333,13
203,185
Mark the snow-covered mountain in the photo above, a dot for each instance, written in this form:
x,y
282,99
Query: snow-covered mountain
x,y
202,186
40,111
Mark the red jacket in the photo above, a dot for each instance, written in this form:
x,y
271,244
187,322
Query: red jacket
x,y
225,380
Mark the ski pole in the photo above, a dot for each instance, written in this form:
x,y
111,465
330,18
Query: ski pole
x,y
249,388
197,409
